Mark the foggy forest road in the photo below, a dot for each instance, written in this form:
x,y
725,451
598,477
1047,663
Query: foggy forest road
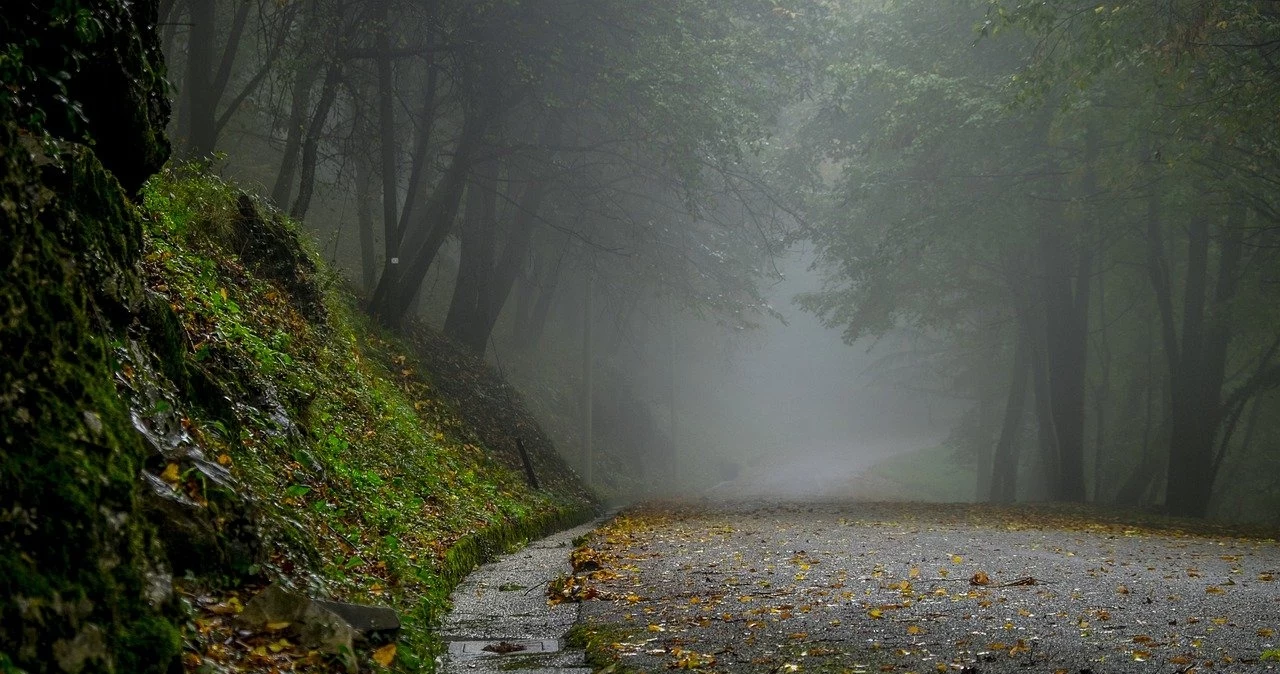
x,y
923,588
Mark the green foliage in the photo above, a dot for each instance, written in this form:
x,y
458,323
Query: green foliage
x,y
365,472
1012,171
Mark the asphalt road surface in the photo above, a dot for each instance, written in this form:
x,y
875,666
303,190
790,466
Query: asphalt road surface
x,y
922,588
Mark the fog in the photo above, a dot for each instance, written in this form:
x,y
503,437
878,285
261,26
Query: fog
x,y
803,413
1049,274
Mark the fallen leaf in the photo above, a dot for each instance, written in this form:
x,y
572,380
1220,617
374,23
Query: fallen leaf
x,y
385,655
501,648
979,578
229,607
171,474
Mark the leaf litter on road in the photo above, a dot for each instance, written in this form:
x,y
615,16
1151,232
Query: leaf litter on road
x,y
838,587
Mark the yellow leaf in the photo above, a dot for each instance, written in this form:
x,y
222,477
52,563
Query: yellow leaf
x,y
276,627
171,474
875,613
385,655
957,559
914,629
915,572
228,607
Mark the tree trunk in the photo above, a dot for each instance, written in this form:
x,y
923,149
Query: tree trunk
x,y
526,293
501,276
982,446
303,80
1133,489
198,101
535,325
307,179
1066,335
1102,392
401,278
418,189
475,263
1048,438
1198,366
1004,475
364,214
387,143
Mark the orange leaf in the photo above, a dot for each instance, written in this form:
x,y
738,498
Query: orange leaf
x,y
385,655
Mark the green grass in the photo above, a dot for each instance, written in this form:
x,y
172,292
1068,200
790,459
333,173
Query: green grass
x,y
928,474
365,476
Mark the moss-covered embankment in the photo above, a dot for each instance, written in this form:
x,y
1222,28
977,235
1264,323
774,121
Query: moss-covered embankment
x,y
191,407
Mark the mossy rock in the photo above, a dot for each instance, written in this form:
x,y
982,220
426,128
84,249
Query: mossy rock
x,y
77,580
90,72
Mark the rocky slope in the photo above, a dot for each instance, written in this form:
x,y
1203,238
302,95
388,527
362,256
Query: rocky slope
x,y
191,407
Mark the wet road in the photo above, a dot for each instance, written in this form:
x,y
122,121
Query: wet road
x,y
926,588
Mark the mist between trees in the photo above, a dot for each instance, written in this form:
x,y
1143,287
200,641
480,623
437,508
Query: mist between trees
x,y
1058,218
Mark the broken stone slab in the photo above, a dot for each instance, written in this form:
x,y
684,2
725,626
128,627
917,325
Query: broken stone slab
x,y
328,626
377,624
